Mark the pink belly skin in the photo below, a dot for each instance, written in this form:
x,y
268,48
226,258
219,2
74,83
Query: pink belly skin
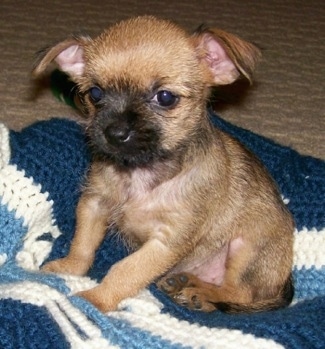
x,y
213,268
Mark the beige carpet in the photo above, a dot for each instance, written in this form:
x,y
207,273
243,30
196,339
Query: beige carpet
x,y
286,103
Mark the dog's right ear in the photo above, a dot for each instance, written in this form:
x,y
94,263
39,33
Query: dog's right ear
x,y
68,55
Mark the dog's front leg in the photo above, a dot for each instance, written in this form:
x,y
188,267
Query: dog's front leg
x,y
90,232
130,275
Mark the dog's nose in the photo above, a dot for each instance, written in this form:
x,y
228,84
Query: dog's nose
x,y
117,134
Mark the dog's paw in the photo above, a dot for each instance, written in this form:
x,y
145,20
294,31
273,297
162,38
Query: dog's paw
x,y
64,266
188,290
56,266
172,284
97,298
194,299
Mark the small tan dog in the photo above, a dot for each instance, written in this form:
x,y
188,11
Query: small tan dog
x,y
202,214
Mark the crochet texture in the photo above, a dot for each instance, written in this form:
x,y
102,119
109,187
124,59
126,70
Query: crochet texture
x,y
41,172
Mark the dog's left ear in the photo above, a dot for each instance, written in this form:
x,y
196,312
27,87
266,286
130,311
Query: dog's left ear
x,y
226,56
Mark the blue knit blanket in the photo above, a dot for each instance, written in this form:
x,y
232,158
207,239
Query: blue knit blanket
x,y
41,172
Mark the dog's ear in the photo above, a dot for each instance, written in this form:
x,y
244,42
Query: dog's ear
x,y
227,56
68,55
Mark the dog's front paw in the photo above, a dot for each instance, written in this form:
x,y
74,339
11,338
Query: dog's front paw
x,y
64,266
96,297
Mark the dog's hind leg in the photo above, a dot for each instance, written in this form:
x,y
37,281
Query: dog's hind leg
x,y
244,288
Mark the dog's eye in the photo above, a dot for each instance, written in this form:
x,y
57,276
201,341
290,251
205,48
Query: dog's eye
x,y
96,94
166,98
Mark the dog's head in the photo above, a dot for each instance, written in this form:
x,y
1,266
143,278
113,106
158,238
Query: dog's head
x,y
145,84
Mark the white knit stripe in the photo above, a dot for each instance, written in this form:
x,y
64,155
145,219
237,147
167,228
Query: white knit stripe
x,y
62,312
4,146
78,283
309,247
3,259
23,197
144,313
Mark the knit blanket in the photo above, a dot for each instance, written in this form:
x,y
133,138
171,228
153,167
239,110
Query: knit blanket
x,y
41,172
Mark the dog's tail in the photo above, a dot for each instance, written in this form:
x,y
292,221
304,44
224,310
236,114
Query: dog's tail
x,y
281,301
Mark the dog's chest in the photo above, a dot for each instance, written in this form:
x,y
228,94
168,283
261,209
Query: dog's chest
x,y
150,210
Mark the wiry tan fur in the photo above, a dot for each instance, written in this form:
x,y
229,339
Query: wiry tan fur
x,y
207,217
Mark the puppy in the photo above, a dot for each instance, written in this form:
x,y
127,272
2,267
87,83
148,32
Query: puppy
x,y
200,212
